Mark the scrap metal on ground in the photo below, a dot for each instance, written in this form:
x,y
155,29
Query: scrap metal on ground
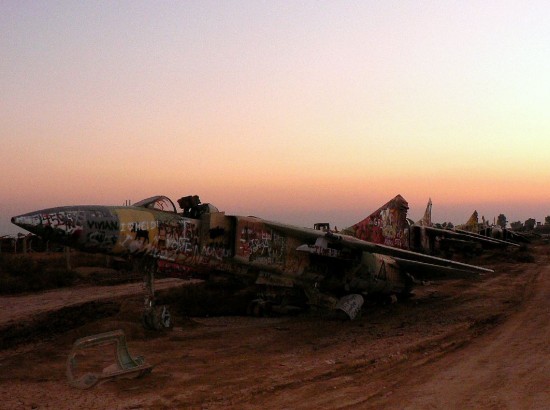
x,y
125,365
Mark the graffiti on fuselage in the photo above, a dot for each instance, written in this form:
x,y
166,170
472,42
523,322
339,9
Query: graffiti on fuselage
x,y
138,231
68,223
217,251
165,235
260,244
170,237
324,251
101,229
93,229
101,240
178,240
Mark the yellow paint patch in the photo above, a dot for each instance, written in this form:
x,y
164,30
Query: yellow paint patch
x,y
138,231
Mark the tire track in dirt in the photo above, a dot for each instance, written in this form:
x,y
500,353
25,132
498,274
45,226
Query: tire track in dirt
x,y
507,368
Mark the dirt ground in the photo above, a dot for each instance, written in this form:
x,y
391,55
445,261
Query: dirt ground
x,y
465,343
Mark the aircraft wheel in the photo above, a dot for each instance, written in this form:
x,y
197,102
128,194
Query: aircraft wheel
x,y
147,320
249,308
157,319
166,318
258,308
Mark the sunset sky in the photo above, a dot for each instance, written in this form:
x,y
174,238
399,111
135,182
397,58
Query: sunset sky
x,y
295,111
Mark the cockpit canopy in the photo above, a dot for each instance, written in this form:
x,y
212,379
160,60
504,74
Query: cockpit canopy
x,y
193,209
158,202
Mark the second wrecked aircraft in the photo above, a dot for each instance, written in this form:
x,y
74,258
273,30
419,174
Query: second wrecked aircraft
x,y
390,226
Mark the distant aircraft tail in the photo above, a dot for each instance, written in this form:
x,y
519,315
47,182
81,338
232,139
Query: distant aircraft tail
x,y
472,225
387,225
427,218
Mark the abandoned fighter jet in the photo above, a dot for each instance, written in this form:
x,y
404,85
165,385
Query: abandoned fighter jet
x,y
473,226
287,265
389,225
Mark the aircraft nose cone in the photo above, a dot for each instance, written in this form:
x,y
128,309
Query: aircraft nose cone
x,y
37,222
30,222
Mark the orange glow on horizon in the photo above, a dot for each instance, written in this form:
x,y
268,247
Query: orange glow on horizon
x,y
298,113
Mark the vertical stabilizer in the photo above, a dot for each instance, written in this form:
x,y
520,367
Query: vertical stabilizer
x,y
472,225
427,218
387,225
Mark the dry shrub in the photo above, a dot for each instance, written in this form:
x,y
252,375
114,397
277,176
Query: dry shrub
x,y
22,273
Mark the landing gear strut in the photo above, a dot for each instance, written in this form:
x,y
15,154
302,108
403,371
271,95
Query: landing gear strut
x,y
258,308
154,317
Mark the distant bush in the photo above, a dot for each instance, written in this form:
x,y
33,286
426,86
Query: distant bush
x,y
24,274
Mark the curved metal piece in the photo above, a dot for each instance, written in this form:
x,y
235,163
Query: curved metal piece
x,y
125,366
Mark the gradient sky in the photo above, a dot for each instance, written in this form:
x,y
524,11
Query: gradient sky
x,y
300,112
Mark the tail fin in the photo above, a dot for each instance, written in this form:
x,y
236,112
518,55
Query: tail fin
x,y
387,225
472,225
427,218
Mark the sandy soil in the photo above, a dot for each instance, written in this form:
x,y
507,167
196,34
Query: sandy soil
x,y
465,343
21,308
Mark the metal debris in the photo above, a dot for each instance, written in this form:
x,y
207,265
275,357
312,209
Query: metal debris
x,y
125,366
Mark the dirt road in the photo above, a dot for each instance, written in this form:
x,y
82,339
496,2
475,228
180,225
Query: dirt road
x,y
506,368
465,343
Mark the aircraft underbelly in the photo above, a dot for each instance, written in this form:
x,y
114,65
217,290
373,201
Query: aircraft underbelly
x,y
379,274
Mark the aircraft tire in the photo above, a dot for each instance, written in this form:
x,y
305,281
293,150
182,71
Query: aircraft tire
x,y
257,308
157,319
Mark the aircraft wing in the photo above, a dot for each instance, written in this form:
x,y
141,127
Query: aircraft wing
x,y
482,238
297,232
405,255
429,271
409,259
468,236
